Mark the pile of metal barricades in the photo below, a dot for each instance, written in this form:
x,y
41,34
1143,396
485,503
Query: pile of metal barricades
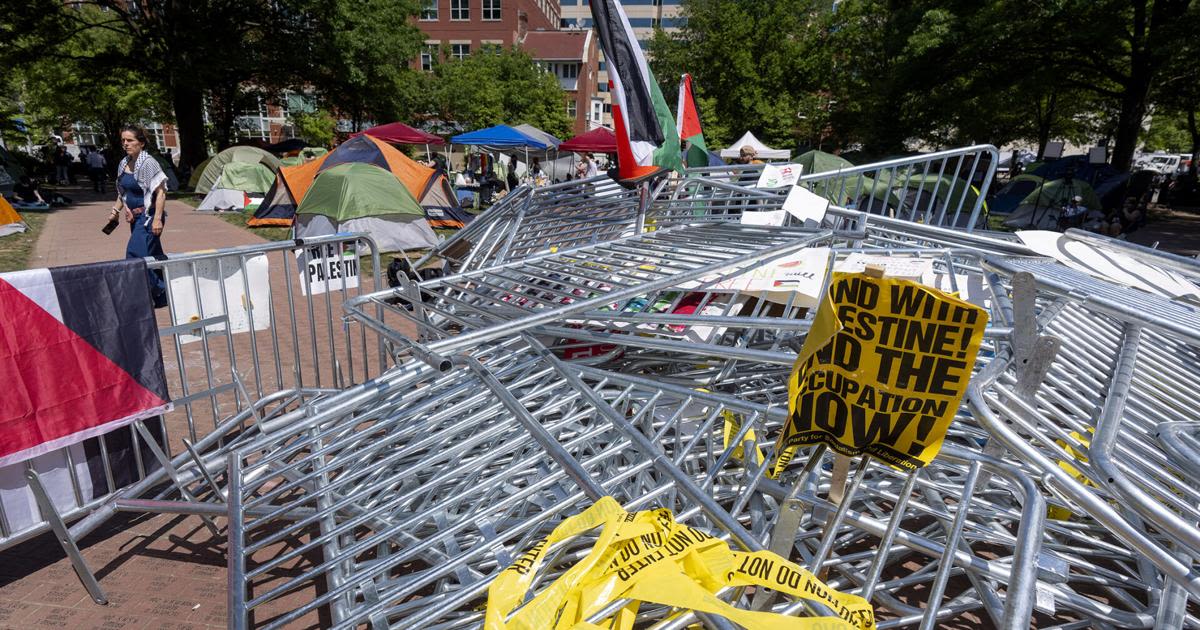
x,y
585,341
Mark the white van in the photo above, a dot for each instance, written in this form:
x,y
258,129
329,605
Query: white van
x,y
1163,163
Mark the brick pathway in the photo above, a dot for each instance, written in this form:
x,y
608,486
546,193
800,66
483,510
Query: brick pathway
x,y
161,571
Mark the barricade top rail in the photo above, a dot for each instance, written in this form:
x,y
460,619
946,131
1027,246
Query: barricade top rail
x,y
262,248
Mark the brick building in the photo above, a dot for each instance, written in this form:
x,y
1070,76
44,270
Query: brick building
x,y
458,28
573,58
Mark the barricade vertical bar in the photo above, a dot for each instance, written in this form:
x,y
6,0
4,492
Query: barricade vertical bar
x,y
46,505
297,367
235,588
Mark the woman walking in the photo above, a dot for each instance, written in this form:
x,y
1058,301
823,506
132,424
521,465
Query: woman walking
x,y
142,194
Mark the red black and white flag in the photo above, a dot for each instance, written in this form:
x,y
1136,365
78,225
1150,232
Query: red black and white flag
x,y
79,359
647,142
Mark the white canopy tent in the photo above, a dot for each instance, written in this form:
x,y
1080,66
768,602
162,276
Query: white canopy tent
x,y
764,152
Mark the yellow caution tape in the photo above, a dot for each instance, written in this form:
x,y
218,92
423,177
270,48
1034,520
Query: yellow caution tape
x,y
1061,513
647,557
732,425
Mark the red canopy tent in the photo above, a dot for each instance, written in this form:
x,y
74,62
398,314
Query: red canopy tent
x,y
400,133
598,140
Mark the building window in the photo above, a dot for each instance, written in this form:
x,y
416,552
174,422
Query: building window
x,y
429,13
491,10
597,110
570,71
428,56
460,51
572,109
491,48
460,10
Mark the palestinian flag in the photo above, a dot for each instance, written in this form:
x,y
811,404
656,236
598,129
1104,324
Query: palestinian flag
x,y
689,125
80,355
641,118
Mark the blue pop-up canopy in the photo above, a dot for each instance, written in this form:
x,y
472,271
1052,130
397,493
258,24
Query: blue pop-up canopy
x,y
498,136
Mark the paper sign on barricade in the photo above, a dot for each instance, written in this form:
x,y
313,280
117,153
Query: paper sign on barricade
x,y
902,267
882,371
779,176
806,205
242,293
763,217
324,269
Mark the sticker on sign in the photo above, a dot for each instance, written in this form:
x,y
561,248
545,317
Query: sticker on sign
x,y
328,267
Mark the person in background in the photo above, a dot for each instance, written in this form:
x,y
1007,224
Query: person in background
x,y
1073,213
535,168
586,167
27,191
96,164
142,194
748,155
62,166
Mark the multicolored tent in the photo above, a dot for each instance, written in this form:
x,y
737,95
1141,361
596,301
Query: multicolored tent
x,y
10,221
248,166
295,183
358,197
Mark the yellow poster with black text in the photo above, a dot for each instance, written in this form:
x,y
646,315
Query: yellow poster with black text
x,y
882,371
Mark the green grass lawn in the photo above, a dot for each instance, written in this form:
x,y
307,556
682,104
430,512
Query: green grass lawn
x,y
16,249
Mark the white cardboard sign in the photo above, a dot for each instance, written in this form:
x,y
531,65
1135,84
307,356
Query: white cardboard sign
x,y
242,293
328,267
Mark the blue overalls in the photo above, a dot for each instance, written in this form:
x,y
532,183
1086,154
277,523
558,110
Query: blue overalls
x,y
142,241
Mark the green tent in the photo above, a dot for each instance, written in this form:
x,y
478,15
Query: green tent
x,y
306,154
246,155
360,197
814,162
194,180
249,178
821,162
1059,191
926,197
1040,208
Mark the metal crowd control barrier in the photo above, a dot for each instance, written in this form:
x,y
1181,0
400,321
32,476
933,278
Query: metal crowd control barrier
x,y
243,323
943,188
542,288
578,355
448,482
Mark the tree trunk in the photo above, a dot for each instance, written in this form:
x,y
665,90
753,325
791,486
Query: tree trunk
x,y
1045,123
1194,130
1129,120
189,121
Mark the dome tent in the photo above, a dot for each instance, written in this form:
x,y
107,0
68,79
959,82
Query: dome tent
x,y
212,175
10,221
1040,208
293,184
357,197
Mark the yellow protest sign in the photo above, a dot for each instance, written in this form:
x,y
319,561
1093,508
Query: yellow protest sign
x,y
882,371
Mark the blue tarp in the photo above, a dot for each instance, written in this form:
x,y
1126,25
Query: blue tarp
x,y
498,136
